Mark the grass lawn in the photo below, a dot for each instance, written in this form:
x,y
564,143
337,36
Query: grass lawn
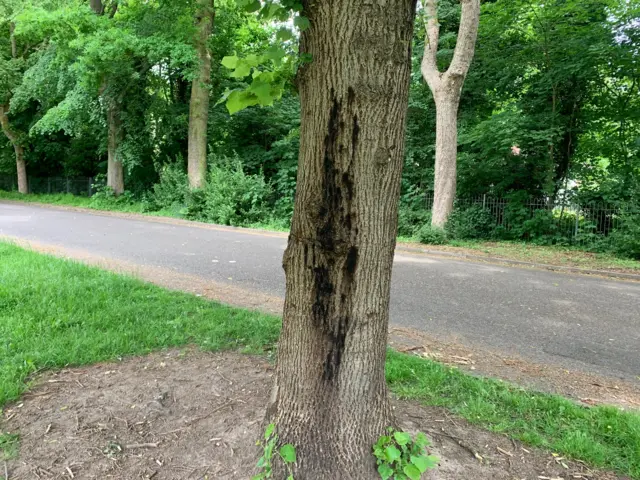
x,y
549,255
55,313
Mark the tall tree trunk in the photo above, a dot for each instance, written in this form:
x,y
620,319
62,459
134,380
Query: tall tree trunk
x,y
199,103
10,133
14,138
115,171
446,88
21,168
330,396
446,159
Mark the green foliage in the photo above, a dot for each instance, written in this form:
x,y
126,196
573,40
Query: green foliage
x,y
430,235
171,192
286,453
268,72
9,444
472,222
625,241
231,196
400,457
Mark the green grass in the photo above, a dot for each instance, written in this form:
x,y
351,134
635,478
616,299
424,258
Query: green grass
x,y
9,443
55,313
66,199
540,254
602,436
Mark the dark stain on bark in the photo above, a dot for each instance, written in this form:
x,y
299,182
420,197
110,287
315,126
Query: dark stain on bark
x,y
334,280
355,133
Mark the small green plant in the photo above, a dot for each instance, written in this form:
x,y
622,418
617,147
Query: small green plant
x,y
400,457
432,235
287,454
8,446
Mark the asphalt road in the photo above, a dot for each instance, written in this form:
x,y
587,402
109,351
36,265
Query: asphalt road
x,y
584,323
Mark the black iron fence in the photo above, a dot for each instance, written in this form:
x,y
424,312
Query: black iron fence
x,y
569,220
74,185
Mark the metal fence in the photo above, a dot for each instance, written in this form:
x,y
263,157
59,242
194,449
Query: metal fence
x,y
561,221
74,185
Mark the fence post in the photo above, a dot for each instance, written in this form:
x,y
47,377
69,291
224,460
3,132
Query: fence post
x,y
484,201
575,233
89,182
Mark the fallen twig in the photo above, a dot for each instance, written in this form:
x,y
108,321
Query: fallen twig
x,y
141,445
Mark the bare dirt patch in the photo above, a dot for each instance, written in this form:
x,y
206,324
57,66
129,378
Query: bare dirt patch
x,y
185,414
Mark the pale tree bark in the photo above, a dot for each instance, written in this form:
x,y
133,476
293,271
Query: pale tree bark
x,y
14,138
199,103
446,89
10,133
115,170
330,397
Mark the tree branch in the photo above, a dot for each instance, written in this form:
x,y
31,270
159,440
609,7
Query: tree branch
x,y
429,65
14,48
467,35
6,127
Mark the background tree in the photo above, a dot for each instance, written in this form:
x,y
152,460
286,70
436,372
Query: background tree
x,y
11,66
447,89
200,92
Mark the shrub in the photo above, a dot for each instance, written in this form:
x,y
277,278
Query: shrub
x,y
625,241
104,197
172,190
230,197
543,229
413,212
431,235
472,222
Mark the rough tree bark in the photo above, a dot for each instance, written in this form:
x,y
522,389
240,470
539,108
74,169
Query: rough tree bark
x,y
446,89
330,397
115,170
199,103
10,133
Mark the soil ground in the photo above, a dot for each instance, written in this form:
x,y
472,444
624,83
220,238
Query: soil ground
x,y
187,414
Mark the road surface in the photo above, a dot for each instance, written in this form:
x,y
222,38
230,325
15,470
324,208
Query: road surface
x,y
579,322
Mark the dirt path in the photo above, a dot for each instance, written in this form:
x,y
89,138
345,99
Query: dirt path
x,y
185,414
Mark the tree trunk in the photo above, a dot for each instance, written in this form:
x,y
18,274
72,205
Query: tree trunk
x,y
446,157
330,396
115,171
199,103
97,6
14,138
21,167
446,88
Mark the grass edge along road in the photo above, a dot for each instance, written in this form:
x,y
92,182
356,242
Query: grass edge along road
x,y
519,251
56,313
